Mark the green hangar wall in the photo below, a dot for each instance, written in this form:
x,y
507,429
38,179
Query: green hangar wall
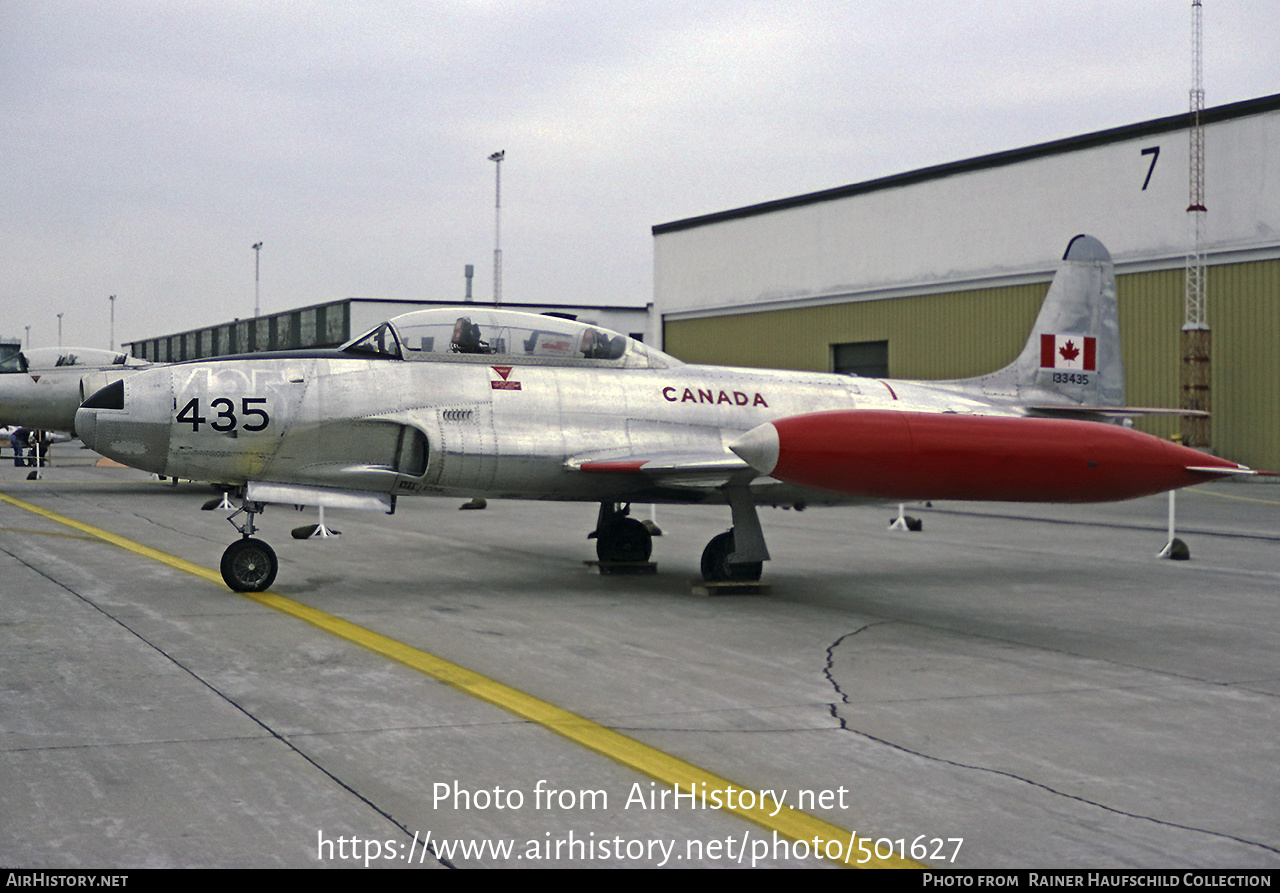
x,y
965,333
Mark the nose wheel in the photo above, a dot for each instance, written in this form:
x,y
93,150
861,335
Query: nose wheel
x,y
249,565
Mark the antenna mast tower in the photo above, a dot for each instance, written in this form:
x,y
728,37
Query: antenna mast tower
x,y
496,158
1196,354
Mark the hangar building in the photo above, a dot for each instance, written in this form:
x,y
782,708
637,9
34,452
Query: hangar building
x,y
335,322
939,273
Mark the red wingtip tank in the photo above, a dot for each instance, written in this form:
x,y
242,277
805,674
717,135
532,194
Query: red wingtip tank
x,y
914,455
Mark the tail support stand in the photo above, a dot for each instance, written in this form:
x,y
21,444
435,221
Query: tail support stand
x,y
319,529
1175,548
905,521
35,451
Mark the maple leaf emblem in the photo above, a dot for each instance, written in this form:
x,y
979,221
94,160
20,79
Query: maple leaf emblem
x,y
1069,351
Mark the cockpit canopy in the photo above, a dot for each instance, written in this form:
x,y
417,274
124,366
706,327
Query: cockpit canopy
x,y
484,335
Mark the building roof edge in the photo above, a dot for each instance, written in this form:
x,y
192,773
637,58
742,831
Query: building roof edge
x,y
1217,114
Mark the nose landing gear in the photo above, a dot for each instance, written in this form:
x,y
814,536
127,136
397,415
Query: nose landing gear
x,y
248,564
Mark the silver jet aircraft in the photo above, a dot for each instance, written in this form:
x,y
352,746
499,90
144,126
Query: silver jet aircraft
x,y
471,401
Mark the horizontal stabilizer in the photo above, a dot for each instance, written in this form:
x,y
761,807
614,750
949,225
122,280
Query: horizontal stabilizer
x,y
1219,470
1113,411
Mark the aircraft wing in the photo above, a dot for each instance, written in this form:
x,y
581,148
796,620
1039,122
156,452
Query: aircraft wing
x,y
688,469
330,497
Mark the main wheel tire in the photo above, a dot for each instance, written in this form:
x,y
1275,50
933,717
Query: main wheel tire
x,y
716,567
249,565
626,539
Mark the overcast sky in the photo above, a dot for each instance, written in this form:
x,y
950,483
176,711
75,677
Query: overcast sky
x,y
145,146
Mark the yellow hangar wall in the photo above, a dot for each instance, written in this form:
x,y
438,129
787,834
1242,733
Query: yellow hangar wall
x,y
960,334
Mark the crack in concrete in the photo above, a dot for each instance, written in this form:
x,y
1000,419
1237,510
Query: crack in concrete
x,y
1231,685
834,708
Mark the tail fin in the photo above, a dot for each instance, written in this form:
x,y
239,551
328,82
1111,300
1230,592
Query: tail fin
x,y
1073,355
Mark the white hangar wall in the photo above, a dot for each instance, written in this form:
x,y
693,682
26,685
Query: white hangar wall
x,y
994,220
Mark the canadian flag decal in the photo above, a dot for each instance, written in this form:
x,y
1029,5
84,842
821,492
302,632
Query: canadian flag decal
x,y
1068,352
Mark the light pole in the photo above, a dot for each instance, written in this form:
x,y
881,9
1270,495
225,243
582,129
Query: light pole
x,y
28,328
112,343
59,331
496,158
257,255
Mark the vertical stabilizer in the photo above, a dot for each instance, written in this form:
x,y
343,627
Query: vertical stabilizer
x,y
1073,354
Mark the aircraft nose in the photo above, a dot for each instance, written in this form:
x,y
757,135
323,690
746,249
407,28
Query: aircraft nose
x,y
123,429
109,397
86,426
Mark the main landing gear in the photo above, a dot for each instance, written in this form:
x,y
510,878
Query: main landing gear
x,y
619,537
717,567
738,554
735,556
249,564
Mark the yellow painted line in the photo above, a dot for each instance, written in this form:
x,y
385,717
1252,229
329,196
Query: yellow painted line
x,y
126,544
790,822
